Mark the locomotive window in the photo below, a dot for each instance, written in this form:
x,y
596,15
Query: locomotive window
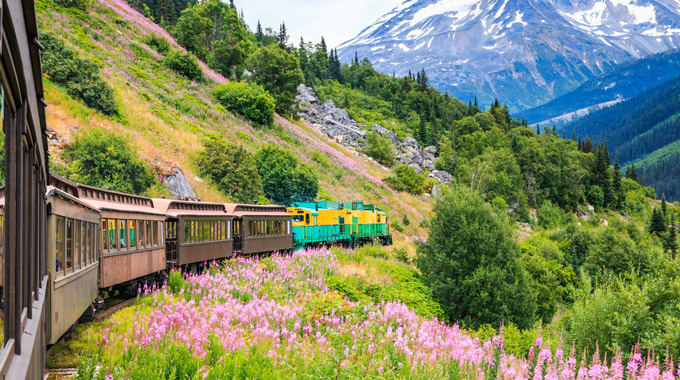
x,y
378,218
60,244
306,218
69,244
155,235
298,218
149,233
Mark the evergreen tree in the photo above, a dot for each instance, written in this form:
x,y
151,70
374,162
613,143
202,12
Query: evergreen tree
x,y
172,14
538,129
616,185
259,35
324,47
633,174
356,60
514,144
664,206
283,36
588,145
657,224
424,81
671,239
231,4
422,131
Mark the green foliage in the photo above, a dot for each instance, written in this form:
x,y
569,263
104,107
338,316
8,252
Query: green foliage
x,y
158,43
447,157
405,178
613,252
78,4
184,64
283,181
248,100
406,220
99,158
401,254
379,148
279,73
657,224
550,216
231,168
472,264
79,76
214,33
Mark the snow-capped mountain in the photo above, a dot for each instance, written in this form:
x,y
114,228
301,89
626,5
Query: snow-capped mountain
x,y
525,52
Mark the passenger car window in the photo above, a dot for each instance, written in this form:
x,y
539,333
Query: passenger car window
x,y
60,244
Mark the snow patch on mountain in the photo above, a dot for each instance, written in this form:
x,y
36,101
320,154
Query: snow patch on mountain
x,y
525,52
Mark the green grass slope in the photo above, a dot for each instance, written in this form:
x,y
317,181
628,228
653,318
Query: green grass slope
x,y
165,116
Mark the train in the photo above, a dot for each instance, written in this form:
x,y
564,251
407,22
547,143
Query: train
x,y
346,224
101,242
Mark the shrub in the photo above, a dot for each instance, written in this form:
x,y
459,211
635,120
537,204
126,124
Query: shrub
x,y
405,220
472,263
401,254
158,43
184,64
596,197
380,149
283,181
78,4
79,76
231,168
405,178
100,158
279,73
397,226
249,101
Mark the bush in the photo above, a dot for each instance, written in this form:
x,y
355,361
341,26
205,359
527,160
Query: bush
x,y
283,181
79,76
231,168
401,254
78,4
249,101
100,158
184,64
158,43
380,149
279,73
472,263
405,178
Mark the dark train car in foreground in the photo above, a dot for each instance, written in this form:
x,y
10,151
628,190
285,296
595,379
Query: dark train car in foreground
x,y
72,257
133,239
261,229
196,232
24,277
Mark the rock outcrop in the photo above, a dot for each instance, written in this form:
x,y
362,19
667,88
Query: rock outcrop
x,y
337,124
181,189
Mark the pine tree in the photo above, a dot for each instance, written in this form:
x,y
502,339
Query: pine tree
x,y
538,129
422,131
664,206
514,144
283,36
172,13
671,239
231,4
633,174
356,60
424,81
657,224
259,35
616,185
324,47
580,144
588,145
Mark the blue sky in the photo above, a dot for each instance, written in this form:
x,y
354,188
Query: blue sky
x,y
336,20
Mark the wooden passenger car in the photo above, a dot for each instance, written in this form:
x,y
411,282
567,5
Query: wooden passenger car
x,y
196,232
261,229
72,257
133,239
24,278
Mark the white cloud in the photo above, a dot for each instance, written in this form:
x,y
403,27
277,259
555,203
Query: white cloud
x,y
336,20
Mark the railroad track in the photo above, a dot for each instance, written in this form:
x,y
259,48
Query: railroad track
x,y
67,373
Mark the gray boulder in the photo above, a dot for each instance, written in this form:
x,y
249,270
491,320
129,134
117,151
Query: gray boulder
x,y
428,164
181,189
306,96
384,132
417,168
442,176
410,142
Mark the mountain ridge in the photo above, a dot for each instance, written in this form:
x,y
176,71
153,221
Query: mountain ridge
x,y
532,50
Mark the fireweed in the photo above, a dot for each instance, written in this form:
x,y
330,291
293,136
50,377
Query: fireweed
x,y
276,318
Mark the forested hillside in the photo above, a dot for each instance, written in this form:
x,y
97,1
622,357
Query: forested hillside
x,y
621,82
642,131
